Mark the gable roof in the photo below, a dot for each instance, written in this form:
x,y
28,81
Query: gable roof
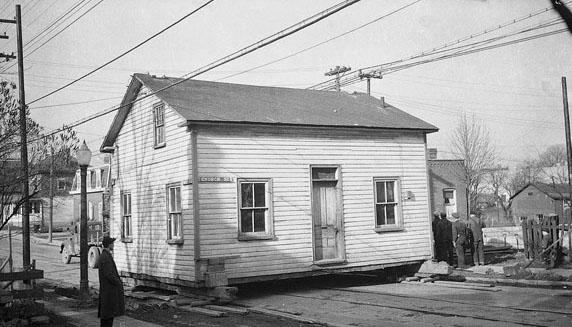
x,y
556,191
204,101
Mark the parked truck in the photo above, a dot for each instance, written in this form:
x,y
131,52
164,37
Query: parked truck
x,y
70,247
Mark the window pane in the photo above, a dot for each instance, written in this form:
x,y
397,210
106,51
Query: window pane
x,y
172,200
178,199
259,220
259,195
246,195
390,191
380,192
175,225
246,221
390,212
380,214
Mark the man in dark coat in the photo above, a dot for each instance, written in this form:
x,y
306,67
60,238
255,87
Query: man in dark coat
x,y
446,230
476,225
437,236
111,297
459,230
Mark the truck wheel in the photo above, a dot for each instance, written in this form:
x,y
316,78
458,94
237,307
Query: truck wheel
x,y
93,257
66,256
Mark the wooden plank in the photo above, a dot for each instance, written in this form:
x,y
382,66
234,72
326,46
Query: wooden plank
x,y
22,275
229,309
203,311
279,314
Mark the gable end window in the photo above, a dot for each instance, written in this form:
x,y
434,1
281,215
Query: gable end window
x,y
387,202
126,222
175,214
159,124
254,209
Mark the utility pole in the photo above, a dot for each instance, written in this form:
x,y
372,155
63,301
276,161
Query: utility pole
x,y
368,77
23,138
568,141
337,71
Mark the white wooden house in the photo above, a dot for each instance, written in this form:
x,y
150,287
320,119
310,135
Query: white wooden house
x,y
216,182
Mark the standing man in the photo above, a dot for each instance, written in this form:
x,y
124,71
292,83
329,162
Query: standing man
x,y
111,301
476,225
446,229
459,230
437,236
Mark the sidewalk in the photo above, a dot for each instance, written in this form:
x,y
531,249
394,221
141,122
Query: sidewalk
x,y
68,308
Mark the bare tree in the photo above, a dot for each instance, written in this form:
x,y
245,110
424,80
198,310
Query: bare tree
x,y
58,148
553,163
472,142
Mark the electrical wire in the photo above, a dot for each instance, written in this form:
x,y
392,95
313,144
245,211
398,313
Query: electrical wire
x,y
330,84
123,54
321,43
275,37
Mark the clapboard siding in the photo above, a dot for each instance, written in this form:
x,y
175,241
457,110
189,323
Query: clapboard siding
x,y
285,156
146,171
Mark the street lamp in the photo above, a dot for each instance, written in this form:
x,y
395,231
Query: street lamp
x,y
83,159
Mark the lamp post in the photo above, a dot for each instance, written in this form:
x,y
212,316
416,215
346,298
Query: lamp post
x,y
83,159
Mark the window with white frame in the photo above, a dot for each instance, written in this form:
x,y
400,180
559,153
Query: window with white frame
x,y
126,215
175,212
387,199
254,209
159,123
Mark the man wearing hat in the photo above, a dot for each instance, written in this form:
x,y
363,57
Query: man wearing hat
x,y
111,301
459,230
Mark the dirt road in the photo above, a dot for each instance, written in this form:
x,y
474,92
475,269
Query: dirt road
x,y
419,305
368,302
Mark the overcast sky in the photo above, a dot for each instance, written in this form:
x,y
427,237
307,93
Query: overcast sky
x,y
514,89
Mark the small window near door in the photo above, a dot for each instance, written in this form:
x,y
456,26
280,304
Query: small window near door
x,y
387,200
324,173
254,202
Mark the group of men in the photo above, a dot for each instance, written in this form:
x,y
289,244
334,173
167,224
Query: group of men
x,y
460,234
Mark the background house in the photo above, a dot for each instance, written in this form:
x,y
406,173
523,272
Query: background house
x,y
50,195
218,183
448,190
541,199
98,183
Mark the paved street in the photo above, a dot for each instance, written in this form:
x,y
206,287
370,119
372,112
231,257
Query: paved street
x,y
47,258
365,305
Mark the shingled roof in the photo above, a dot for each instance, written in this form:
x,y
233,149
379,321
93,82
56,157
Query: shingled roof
x,y
203,101
555,191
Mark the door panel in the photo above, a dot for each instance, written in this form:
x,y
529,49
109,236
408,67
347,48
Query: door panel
x,y
326,221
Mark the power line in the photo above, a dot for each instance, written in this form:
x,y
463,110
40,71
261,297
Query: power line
x,y
237,54
439,49
65,28
125,53
389,70
321,43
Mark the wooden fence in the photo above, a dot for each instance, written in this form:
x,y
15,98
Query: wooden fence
x,y
532,235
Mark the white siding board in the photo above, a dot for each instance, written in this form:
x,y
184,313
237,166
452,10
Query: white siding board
x,y
285,158
145,171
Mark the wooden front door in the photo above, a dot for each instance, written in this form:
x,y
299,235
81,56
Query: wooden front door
x,y
327,224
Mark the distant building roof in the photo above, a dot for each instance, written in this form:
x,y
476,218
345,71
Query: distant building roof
x,y
203,101
555,191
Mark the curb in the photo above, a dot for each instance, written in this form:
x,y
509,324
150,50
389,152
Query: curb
x,y
520,282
